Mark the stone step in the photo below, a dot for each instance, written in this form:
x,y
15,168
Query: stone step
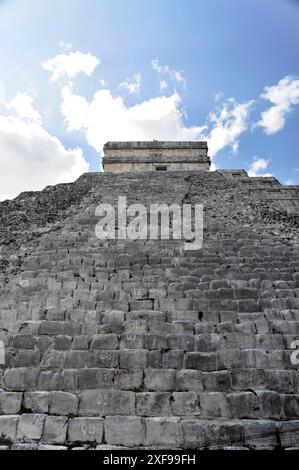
x,y
44,432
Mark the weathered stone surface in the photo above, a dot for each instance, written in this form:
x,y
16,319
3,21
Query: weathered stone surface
x,y
36,402
160,379
214,404
103,402
164,432
260,435
10,403
153,404
20,379
187,379
185,403
144,330
108,341
63,403
8,426
133,358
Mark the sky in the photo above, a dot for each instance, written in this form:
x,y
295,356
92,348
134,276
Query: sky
x,y
77,73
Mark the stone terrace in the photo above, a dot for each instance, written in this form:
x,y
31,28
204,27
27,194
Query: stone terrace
x,y
142,344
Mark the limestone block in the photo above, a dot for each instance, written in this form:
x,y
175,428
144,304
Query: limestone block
x,y
63,403
162,380
182,326
185,403
132,341
260,435
288,433
36,402
189,380
243,405
254,358
208,342
213,405
49,380
56,328
270,404
51,447
104,402
23,342
173,359
20,446
154,359
102,358
282,381
201,361
135,326
20,378
30,426
113,317
217,381
128,379
70,380
53,359
55,429
109,341
75,359
124,430
85,430
157,327
195,434
133,358
152,341
8,426
153,404
291,406
164,432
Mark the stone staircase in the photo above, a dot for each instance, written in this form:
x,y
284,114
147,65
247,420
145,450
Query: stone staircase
x,y
140,344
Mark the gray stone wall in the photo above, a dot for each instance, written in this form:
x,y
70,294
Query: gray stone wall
x,y
155,155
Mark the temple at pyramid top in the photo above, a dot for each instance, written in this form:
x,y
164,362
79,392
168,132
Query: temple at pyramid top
x,y
155,155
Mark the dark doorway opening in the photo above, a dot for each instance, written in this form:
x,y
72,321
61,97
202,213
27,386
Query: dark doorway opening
x,y
161,168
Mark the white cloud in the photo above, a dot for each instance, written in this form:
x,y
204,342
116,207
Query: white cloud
x,y
65,46
289,182
163,85
218,96
71,64
22,105
174,75
133,86
283,96
106,117
31,158
257,166
229,122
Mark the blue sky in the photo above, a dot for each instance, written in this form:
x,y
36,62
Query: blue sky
x,y
76,73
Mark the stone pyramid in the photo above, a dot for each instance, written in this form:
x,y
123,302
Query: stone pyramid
x,y
140,344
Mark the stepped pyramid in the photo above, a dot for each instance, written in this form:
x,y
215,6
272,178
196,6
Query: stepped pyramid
x,y
140,344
